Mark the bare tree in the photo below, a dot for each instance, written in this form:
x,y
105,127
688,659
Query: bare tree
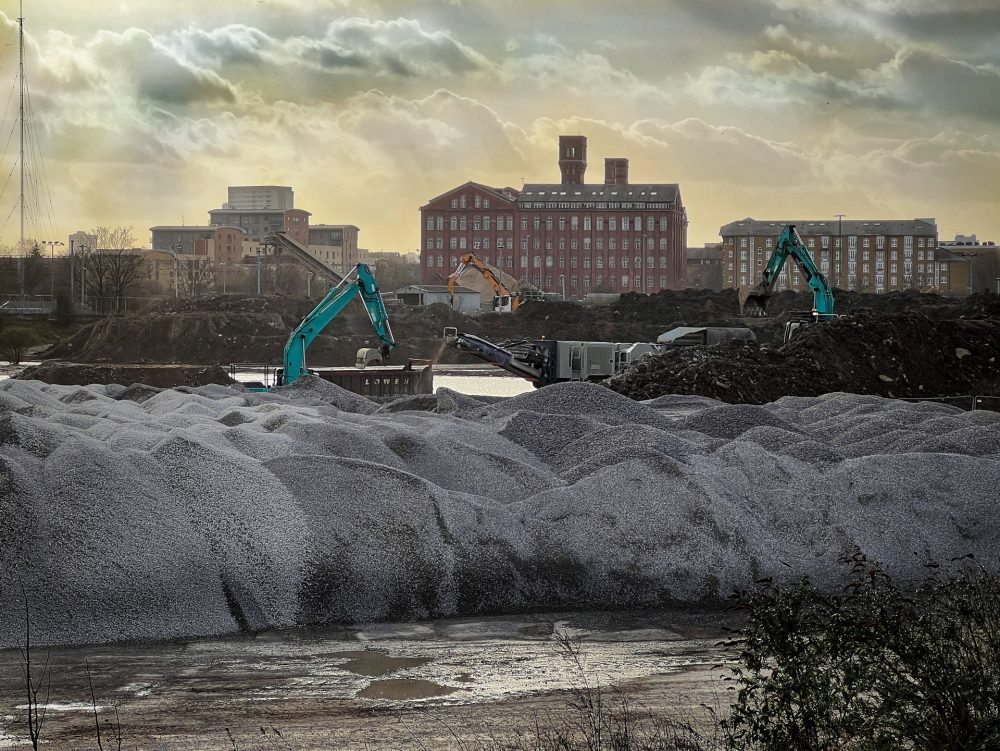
x,y
33,683
196,277
114,267
289,279
33,268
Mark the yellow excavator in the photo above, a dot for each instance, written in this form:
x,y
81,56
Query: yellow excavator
x,y
504,301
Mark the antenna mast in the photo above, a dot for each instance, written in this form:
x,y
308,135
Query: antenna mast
x,y
20,39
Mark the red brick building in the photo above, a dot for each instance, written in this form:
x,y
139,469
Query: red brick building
x,y
568,237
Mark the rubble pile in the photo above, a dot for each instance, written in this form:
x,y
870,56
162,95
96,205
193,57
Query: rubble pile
x,y
146,513
892,355
223,329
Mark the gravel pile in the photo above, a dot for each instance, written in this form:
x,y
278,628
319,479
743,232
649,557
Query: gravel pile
x,y
144,513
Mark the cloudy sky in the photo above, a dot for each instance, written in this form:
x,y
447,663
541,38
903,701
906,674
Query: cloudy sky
x,y
146,110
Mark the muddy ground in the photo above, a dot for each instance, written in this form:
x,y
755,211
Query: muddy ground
x,y
896,344
432,685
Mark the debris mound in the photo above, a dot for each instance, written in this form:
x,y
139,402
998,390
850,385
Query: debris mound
x,y
892,355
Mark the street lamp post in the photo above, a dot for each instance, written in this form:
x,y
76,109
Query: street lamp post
x,y
83,274
52,263
174,250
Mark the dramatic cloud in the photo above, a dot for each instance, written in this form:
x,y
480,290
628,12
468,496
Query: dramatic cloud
x,y
762,107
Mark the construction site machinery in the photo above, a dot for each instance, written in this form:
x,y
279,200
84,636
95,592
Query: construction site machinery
x,y
504,300
359,282
283,245
753,300
544,362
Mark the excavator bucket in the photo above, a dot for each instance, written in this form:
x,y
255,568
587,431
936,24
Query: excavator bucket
x,y
753,300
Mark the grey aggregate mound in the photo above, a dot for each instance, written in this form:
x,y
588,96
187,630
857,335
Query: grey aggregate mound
x,y
579,398
147,514
314,387
732,420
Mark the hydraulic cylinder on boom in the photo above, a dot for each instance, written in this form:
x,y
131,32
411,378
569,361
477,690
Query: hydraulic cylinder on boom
x,y
753,300
359,282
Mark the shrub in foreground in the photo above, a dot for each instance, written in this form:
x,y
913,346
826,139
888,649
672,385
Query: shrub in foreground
x,y
874,666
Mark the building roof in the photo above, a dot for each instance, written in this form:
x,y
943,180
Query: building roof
x,y
256,211
710,254
501,193
186,228
333,226
435,289
942,254
599,192
751,226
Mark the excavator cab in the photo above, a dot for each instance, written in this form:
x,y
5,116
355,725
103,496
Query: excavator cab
x,y
502,304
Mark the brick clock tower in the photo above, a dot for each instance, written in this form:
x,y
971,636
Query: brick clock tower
x,y
572,159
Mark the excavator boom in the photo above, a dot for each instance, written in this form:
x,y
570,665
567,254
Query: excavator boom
x,y
753,300
360,282
503,299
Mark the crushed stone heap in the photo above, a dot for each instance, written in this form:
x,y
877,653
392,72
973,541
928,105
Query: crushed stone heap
x,y
893,355
143,513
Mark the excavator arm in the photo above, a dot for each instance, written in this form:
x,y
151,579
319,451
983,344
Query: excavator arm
x,y
503,296
361,282
753,300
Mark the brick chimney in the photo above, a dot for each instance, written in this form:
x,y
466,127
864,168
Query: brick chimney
x,y
616,171
572,159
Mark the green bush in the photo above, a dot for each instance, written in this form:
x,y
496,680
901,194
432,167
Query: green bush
x,y
871,666
15,342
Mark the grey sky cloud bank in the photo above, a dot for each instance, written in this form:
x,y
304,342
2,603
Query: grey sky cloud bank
x,y
764,107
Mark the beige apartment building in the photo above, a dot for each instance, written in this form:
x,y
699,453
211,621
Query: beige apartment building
x,y
862,255
336,245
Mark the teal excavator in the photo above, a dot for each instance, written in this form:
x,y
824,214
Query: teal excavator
x,y
360,281
753,300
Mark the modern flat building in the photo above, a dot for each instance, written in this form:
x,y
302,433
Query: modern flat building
x,y
569,237
254,197
259,223
862,255
983,258
704,266
220,243
336,245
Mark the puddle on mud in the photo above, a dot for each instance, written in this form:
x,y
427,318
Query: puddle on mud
x,y
375,664
404,689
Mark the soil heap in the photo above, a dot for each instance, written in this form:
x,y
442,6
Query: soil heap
x,y
234,328
893,355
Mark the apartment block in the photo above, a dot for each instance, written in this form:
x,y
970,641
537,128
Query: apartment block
x,y
862,255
